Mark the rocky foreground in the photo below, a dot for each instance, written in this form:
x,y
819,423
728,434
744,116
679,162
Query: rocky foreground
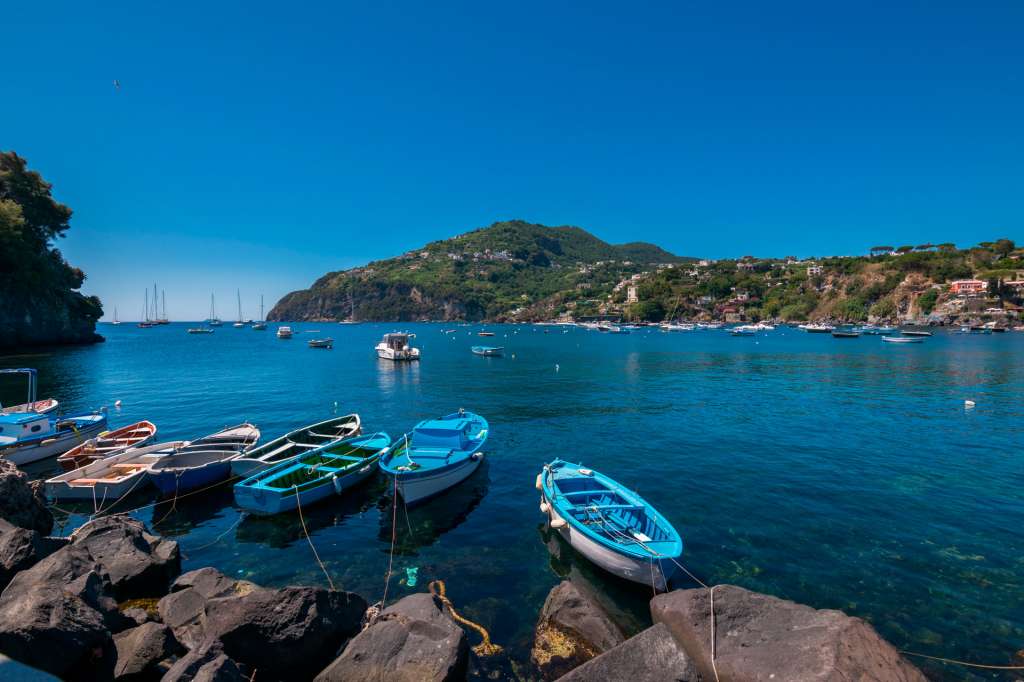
x,y
110,602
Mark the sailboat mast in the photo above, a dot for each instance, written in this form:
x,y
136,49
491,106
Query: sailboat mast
x,y
239,293
163,299
145,307
261,307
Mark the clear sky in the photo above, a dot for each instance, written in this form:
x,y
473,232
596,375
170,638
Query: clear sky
x,y
258,145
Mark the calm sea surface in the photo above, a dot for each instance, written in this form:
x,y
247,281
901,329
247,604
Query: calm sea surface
x,y
841,473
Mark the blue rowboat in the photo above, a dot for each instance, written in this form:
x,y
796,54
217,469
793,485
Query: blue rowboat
x,y
609,524
438,454
27,437
488,350
312,476
199,463
295,443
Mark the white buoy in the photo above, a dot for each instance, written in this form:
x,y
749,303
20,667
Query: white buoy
x,y
556,367
537,483
544,508
557,523
117,404
968,404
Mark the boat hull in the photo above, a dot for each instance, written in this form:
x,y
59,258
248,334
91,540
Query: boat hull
x,y
263,501
398,355
176,482
656,572
417,487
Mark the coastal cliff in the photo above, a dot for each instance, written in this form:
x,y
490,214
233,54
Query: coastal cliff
x,y
39,299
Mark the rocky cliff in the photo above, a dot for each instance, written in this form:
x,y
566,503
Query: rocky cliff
x,y
39,301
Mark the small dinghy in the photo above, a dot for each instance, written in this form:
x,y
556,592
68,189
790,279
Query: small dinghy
x,y
902,339
108,443
309,478
438,454
845,334
321,343
914,332
107,479
202,462
27,437
608,524
490,351
295,443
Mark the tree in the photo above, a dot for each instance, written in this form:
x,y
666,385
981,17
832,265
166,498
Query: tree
x,y
947,247
1004,247
927,300
905,249
925,247
648,311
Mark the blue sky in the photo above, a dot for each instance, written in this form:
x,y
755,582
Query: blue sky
x,y
258,145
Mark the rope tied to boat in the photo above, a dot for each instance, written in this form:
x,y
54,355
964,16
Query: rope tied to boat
x,y
486,647
316,555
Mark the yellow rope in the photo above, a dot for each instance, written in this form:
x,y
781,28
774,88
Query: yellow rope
x,y
964,663
484,648
323,568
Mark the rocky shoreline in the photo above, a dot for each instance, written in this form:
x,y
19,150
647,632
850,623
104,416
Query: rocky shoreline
x,y
110,602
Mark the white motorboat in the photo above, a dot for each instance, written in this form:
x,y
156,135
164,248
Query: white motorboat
x,y
395,346
27,437
284,332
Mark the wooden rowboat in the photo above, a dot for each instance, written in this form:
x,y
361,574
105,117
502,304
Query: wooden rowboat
x,y
490,351
296,443
108,443
107,479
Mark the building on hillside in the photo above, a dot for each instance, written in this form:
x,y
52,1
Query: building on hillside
x,y
745,265
631,295
968,287
814,270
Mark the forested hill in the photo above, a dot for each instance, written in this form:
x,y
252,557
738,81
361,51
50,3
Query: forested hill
x,y
39,301
497,272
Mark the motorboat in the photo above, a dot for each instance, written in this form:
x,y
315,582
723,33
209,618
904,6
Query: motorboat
x,y
284,332
27,437
327,343
395,346
489,351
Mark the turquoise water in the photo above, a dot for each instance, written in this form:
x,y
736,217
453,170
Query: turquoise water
x,y
840,473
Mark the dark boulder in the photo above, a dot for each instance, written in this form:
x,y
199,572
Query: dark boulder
x,y
412,640
58,615
138,564
572,629
207,663
651,656
289,633
140,650
184,609
22,503
759,637
21,548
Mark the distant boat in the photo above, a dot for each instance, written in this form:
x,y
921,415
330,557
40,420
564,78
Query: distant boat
x,y
743,330
297,442
200,330
914,332
438,454
106,444
145,323
310,477
214,321
485,333
816,328
116,321
32,404
488,350
111,477
676,327
262,324
202,462
321,343
239,323
396,347
845,333
902,339
284,332
609,524
27,437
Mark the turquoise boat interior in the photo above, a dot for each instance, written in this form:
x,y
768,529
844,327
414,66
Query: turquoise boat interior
x,y
338,459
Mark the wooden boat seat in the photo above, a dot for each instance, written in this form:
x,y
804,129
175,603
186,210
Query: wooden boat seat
x,y
576,493
127,467
603,507
324,435
347,458
277,451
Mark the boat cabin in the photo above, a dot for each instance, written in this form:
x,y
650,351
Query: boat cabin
x,y
22,426
445,434
397,341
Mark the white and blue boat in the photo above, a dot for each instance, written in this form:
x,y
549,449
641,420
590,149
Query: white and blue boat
x,y
438,454
295,443
313,476
489,351
199,463
609,524
27,437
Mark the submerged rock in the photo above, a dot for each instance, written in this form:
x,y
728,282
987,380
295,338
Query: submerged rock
x,y
572,629
140,650
22,503
58,616
413,640
759,637
291,633
651,656
139,564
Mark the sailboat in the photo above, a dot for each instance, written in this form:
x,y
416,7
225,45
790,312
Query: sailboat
x,y
262,324
162,319
214,321
116,321
146,323
239,323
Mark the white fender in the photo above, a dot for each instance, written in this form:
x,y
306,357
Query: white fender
x,y
537,484
544,507
557,523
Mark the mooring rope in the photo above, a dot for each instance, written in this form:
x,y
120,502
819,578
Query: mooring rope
x,y
394,533
486,647
298,504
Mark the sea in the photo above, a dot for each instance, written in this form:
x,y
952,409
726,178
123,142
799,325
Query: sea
x,y
841,473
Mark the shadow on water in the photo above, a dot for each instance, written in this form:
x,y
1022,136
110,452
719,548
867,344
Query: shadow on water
x,y
177,518
421,525
282,530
